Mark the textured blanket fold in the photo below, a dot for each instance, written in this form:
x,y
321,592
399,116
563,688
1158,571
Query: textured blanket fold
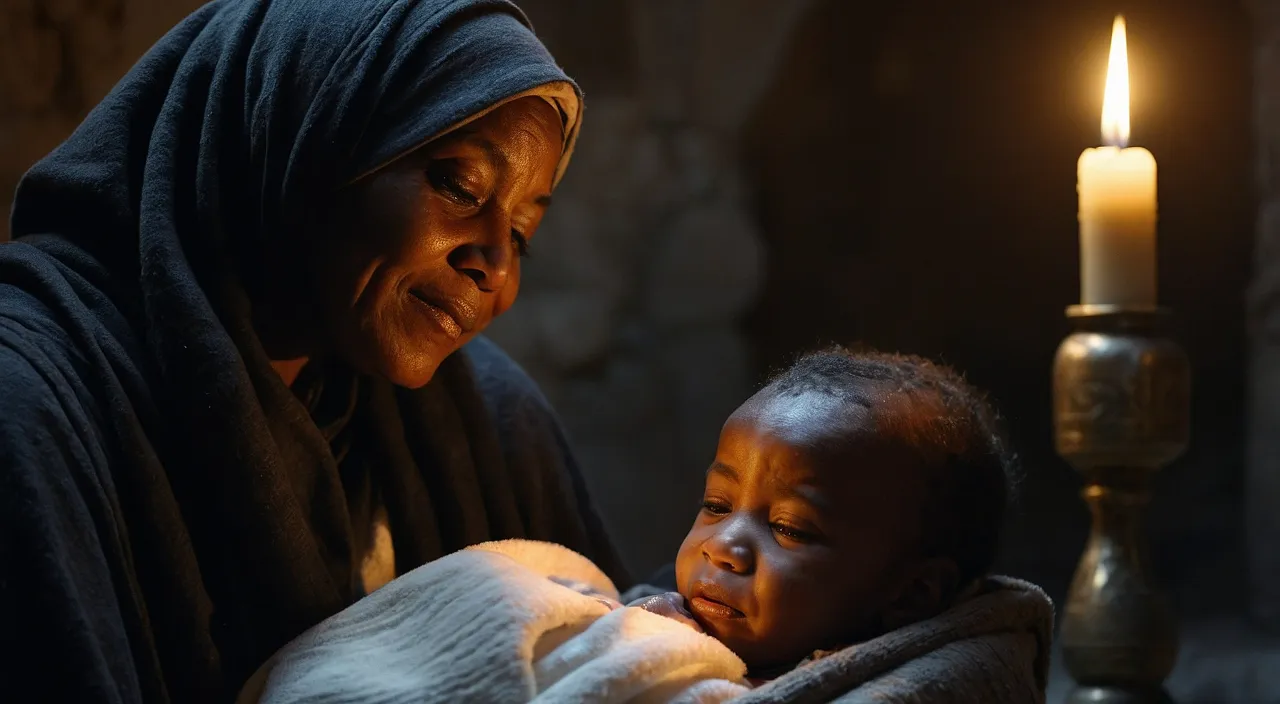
x,y
992,648
486,624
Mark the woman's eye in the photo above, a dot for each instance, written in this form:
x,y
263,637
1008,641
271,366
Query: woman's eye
x,y
718,508
521,243
443,178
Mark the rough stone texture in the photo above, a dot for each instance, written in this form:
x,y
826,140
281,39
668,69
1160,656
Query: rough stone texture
x,y
708,269
1263,456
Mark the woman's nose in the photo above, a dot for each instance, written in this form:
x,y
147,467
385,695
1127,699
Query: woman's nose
x,y
487,260
730,550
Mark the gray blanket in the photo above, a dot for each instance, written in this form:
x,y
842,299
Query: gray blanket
x,y
992,648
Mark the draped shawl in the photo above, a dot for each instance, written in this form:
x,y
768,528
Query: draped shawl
x,y
170,512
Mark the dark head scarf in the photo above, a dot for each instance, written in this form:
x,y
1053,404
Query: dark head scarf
x,y
228,504
251,111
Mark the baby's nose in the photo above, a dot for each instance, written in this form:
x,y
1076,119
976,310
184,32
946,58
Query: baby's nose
x,y
731,556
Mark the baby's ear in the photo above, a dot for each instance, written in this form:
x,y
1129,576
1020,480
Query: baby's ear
x,y
930,586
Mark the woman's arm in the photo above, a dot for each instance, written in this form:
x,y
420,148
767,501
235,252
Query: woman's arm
x,y
61,627
534,441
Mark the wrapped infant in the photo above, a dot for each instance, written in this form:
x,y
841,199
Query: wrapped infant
x,y
848,523
853,495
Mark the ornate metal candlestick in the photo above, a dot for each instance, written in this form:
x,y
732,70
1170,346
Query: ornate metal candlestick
x,y
1121,408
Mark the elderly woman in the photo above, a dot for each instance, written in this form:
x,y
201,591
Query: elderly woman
x,y
242,380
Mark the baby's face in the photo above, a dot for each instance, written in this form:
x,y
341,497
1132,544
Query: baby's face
x,y
805,532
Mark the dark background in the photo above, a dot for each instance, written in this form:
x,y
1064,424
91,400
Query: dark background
x,y
913,168
910,167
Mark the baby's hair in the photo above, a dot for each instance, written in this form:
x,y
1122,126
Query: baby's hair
x,y
929,410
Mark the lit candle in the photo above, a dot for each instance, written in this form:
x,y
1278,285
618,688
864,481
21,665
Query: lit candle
x,y
1117,191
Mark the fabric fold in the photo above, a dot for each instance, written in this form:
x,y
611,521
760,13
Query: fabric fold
x,y
489,624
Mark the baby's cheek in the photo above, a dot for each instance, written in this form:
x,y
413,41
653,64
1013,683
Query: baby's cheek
x,y
795,595
688,558
830,607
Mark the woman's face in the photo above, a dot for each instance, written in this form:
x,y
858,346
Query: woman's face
x,y
421,256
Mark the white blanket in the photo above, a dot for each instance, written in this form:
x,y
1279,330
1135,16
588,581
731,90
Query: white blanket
x,y
487,625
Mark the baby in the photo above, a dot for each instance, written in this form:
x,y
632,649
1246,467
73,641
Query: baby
x,y
856,493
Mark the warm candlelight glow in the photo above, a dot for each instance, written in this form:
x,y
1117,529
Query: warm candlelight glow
x,y
1115,101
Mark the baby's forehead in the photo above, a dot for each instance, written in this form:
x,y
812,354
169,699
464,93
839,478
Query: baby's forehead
x,y
810,420
829,442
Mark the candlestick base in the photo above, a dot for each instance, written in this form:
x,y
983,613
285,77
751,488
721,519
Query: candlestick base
x,y
1121,408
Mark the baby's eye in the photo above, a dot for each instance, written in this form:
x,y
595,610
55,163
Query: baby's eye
x,y
791,533
718,508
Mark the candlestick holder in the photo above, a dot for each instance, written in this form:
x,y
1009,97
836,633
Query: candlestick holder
x,y
1121,411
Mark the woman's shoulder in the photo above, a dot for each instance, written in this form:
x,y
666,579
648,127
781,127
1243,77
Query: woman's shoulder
x,y
501,380
42,385
39,405
61,339
51,422
58,289
521,413
36,332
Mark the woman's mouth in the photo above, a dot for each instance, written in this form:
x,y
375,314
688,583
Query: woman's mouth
x,y
441,317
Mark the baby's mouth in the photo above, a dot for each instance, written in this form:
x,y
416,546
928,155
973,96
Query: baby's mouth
x,y
710,601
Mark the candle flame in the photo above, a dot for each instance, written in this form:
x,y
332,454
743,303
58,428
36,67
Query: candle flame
x,y
1115,101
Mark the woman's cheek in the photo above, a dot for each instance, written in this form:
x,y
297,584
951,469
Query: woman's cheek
x,y
507,297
